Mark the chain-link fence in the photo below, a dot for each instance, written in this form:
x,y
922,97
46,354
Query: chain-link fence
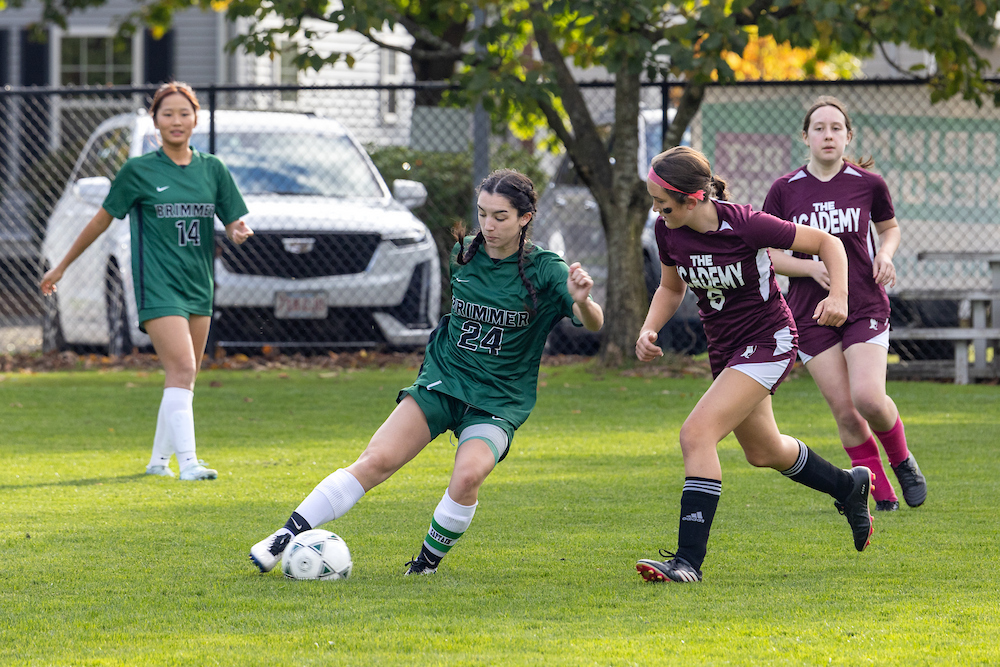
x,y
941,163
335,262
340,257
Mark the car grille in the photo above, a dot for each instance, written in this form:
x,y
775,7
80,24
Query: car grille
x,y
298,254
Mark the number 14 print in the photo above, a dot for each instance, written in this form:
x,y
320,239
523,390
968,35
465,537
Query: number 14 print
x,y
188,233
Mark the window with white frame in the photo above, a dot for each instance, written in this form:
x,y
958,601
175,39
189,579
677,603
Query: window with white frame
x,y
288,71
390,74
90,56
95,61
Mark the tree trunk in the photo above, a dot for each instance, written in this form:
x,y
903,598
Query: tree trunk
x,y
623,216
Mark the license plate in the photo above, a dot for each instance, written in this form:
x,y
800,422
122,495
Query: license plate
x,y
300,305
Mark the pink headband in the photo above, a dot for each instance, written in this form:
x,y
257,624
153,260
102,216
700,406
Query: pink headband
x,y
653,176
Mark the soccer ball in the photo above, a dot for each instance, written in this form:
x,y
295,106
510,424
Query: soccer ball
x,y
316,554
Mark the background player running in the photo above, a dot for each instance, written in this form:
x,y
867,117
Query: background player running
x,y
847,362
172,197
479,374
720,250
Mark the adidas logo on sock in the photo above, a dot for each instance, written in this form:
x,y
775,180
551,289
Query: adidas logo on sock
x,y
694,516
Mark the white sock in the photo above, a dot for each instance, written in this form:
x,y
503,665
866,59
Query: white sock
x,y
177,406
162,447
450,521
331,499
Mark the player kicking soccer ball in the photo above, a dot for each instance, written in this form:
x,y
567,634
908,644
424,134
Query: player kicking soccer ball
x,y
479,375
720,251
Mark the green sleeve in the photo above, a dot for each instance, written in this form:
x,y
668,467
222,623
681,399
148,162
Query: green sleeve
x,y
555,272
229,204
123,194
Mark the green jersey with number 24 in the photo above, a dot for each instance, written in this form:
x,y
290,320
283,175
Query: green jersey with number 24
x,y
486,352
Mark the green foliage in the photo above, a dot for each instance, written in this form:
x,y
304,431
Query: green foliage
x,y
106,566
448,178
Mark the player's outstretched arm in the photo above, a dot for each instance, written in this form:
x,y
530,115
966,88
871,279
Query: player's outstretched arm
x,y
97,226
831,311
588,311
883,269
666,300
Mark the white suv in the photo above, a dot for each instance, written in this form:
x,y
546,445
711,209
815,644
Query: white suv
x,y
336,259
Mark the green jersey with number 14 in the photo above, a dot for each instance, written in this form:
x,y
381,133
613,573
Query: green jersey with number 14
x,y
486,352
172,213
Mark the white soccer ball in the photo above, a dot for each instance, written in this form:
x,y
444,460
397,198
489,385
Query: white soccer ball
x,y
316,554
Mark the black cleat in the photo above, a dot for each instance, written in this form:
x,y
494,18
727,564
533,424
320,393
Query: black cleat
x,y
420,565
912,481
886,505
855,506
676,569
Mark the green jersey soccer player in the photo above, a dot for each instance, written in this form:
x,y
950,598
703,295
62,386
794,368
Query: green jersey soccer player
x,y
478,378
172,211
172,197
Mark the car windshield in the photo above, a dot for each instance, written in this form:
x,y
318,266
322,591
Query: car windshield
x,y
289,163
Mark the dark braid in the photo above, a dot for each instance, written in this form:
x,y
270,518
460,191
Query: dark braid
x,y
532,292
465,256
520,191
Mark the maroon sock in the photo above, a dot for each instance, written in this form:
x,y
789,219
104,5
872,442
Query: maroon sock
x,y
867,454
894,443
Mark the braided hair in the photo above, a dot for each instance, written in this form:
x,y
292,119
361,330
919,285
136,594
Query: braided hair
x,y
520,192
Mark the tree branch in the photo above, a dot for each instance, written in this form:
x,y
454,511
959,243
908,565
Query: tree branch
x,y
596,174
415,53
894,65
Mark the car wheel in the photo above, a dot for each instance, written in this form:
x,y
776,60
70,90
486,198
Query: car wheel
x,y
52,334
119,340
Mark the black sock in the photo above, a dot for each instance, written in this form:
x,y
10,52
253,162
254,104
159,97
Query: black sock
x,y
432,558
699,500
814,471
297,524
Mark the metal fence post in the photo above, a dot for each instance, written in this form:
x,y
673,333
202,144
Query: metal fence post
x,y
211,119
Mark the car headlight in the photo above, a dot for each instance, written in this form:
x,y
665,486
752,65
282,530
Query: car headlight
x,y
408,238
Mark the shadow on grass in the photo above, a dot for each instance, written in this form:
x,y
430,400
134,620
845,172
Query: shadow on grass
x,y
122,479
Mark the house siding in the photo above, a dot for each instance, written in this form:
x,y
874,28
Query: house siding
x,y
197,49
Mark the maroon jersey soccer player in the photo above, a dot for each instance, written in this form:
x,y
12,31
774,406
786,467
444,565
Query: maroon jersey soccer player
x,y
848,362
720,251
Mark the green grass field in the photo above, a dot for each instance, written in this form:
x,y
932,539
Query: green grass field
x,y
102,565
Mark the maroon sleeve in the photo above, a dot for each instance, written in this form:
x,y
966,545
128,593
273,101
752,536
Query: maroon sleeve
x,y
763,230
882,208
772,203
